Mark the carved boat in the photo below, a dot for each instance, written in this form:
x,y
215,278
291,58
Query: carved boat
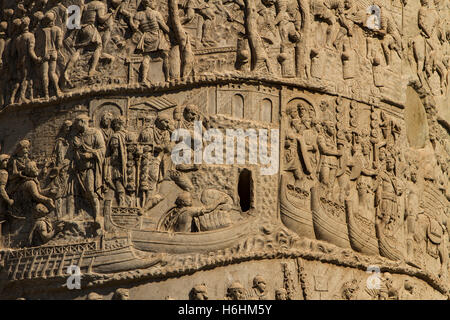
x,y
388,246
180,242
43,262
329,219
294,213
361,232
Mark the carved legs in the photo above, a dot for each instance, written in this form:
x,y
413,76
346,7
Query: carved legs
x,y
54,77
95,59
45,80
144,69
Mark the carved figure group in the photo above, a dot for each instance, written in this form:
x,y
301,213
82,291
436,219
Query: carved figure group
x,y
360,184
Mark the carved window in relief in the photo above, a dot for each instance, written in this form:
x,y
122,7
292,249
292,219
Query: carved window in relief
x,y
245,190
238,106
266,110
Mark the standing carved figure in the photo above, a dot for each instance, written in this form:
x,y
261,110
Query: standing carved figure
x,y
116,155
5,200
105,126
87,150
163,145
23,49
88,38
206,13
329,154
392,40
260,60
4,41
426,43
49,43
153,30
59,174
388,220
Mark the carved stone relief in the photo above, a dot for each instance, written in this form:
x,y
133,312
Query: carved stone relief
x,y
97,110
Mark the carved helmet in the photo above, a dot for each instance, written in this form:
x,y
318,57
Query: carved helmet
x,y
258,279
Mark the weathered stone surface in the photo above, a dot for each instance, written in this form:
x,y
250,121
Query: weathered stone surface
x,y
118,122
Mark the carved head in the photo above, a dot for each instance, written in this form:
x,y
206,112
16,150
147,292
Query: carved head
x,y
365,148
4,158
409,286
281,294
390,163
23,148
382,154
362,187
16,25
292,112
121,294
149,4
184,200
236,291
259,283
105,121
424,3
324,105
81,123
49,19
163,122
40,211
65,128
191,113
3,27
25,24
117,124
199,292
388,280
31,170
329,127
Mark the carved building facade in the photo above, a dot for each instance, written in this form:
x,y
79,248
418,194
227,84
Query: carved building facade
x,y
96,97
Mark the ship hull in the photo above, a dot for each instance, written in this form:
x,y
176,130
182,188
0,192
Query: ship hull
x,y
295,214
327,226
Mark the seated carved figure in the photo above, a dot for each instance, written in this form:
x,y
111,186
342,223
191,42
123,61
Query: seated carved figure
x,y
181,218
29,193
43,230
